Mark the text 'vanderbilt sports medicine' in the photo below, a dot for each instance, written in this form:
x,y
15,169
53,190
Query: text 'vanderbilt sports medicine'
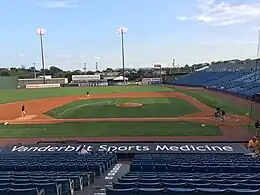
x,y
126,148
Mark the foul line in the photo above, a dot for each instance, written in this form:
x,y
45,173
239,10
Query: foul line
x,y
87,104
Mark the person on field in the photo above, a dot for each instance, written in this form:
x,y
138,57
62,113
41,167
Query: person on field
x,y
23,110
223,113
253,144
257,126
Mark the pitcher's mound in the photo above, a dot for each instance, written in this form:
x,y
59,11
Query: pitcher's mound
x,y
129,105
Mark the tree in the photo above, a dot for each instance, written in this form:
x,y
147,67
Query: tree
x,y
55,70
109,70
5,73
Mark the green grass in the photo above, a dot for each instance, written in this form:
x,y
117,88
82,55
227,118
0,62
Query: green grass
x,y
7,96
215,102
104,129
106,108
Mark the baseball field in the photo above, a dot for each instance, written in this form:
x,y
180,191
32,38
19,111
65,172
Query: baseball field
x,y
121,113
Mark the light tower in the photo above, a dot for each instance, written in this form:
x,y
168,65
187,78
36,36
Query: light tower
x,y
122,31
41,32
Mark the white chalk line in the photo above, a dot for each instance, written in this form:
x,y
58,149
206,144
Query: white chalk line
x,y
87,104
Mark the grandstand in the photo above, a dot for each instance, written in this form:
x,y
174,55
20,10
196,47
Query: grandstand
x,y
201,174
241,79
51,173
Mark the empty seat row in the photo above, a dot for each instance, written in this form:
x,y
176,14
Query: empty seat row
x,y
195,168
180,191
98,169
203,184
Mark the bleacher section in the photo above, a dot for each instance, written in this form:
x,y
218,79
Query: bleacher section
x,y
190,174
245,84
50,173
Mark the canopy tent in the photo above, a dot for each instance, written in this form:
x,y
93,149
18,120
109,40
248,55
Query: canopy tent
x,y
120,78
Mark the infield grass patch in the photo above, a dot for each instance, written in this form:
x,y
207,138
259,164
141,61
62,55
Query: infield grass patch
x,y
104,129
106,108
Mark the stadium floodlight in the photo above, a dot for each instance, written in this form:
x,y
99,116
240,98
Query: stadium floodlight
x,y
41,32
122,31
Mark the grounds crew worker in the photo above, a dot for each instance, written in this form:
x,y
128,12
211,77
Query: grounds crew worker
x,y
253,144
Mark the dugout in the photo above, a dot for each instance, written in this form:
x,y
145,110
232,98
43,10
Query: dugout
x,y
8,82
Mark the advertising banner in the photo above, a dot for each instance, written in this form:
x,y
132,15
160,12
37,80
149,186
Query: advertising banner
x,y
37,86
156,79
133,148
85,77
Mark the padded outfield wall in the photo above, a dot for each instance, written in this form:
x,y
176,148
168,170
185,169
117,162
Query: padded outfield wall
x,y
8,82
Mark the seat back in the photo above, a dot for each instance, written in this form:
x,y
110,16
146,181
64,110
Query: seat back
x,y
211,191
29,191
110,191
150,191
4,191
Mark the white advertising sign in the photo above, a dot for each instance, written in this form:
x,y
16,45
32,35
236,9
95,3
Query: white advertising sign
x,y
37,86
85,77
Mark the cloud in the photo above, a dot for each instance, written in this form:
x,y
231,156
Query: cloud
x,y
59,3
65,56
223,13
96,57
21,55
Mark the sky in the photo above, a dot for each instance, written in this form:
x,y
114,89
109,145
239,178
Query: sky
x,y
79,31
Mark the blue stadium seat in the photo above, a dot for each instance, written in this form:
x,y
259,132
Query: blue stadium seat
x,y
49,188
160,167
150,191
29,191
242,192
117,185
211,191
174,185
149,185
4,191
132,180
110,191
180,191
22,186
152,180
173,168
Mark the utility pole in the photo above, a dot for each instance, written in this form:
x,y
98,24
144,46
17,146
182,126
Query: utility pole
x,y
85,68
34,70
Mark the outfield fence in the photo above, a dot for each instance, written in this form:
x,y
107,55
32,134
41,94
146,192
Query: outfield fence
x,y
8,82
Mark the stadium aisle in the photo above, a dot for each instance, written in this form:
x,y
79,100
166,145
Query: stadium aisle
x,y
98,188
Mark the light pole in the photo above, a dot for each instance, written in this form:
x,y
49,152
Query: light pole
x,y
41,32
34,70
85,68
122,32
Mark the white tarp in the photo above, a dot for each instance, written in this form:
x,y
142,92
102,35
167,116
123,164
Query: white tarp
x,y
85,77
120,78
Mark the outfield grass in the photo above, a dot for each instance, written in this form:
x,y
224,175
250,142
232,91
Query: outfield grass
x,y
215,102
7,96
104,129
106,108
